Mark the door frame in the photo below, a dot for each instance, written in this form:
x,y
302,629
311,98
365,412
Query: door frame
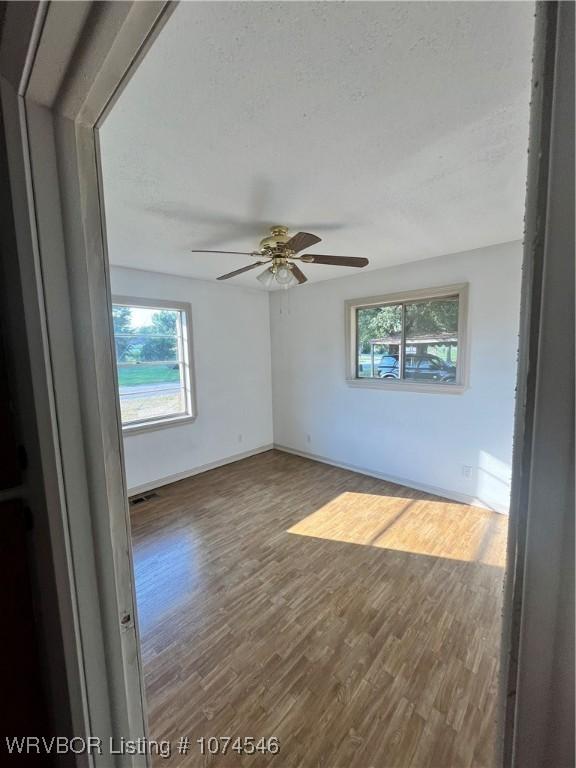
x,y
62,66
536,717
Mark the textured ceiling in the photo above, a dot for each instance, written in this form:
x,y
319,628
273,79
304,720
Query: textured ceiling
x,y
395,131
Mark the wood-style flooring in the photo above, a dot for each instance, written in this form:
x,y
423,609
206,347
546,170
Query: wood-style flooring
x,y
356,620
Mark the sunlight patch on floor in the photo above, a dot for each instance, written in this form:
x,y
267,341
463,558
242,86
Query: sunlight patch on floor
x,y
436,528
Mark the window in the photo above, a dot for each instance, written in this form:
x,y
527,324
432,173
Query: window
x,y
153,358
414,340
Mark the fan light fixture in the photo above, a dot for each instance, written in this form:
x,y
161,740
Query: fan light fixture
x,y
282,275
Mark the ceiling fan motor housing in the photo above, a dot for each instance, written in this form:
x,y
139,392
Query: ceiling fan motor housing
x,y
276,239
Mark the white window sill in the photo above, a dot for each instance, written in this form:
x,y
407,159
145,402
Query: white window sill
x,y
408,386
151,426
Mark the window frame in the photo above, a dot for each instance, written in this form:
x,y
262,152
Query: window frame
x,y
190,413
407,385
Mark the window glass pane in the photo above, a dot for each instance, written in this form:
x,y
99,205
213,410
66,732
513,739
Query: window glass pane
x,y
144,336
145,320
150,391
431,342
378,334
152,405
149,376
140,348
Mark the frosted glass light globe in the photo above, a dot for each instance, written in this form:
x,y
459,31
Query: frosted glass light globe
x,y
266,278
283,275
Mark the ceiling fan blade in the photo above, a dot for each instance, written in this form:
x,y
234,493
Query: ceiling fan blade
x,y
302,240
338,261
298,274
236,253
242,269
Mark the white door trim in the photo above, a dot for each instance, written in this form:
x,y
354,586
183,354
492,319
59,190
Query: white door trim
x,y
53,98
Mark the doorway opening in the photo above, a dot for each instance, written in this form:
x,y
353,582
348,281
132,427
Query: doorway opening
x,y
328,526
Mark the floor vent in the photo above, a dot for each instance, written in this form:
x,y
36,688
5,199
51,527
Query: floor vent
x,y
141,499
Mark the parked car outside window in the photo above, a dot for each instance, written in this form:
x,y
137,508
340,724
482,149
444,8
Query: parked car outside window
x,y
418,368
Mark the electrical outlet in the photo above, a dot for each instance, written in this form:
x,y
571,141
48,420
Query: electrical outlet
x,y
466,470
240,438
308,439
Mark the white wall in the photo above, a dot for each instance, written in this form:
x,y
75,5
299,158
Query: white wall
x,y
231,342
421,439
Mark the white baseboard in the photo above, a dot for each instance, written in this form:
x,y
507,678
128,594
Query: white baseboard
x,y
434,490
197,470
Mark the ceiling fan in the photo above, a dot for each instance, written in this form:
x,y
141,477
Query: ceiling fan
x,y
279,251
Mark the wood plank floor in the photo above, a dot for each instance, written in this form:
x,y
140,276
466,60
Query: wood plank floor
x,y
356,620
